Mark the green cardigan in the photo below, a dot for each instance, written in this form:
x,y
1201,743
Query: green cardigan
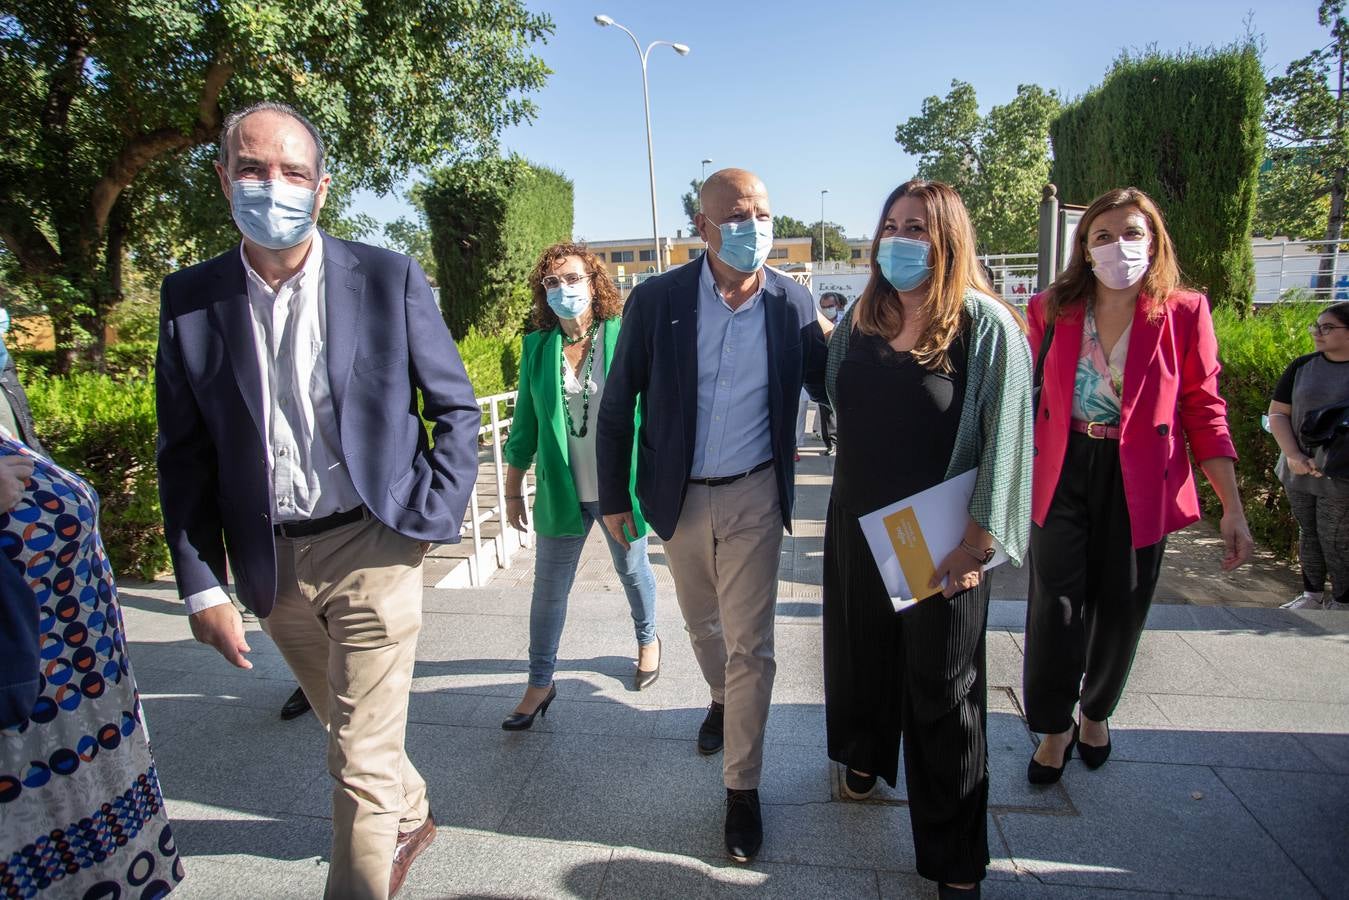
x,y
557,509
994,433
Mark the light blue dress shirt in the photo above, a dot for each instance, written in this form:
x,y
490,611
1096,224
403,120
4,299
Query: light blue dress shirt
x,y
733,433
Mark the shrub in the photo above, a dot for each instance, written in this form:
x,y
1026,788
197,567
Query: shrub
x,y
1186,129
1255,350
492,361
490,219
104,430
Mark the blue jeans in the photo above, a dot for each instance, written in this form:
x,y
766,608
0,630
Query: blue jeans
x,y
555,564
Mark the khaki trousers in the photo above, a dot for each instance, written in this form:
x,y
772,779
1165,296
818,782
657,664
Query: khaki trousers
x,y
724,559
348,610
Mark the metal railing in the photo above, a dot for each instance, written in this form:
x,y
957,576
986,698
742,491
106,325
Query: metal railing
x,y
494,428
1300,270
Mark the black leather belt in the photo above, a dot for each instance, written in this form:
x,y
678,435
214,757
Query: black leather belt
x,y
728,479
311,527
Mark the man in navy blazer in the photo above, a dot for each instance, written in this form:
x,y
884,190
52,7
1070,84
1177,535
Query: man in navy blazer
x,y
716,352
292,456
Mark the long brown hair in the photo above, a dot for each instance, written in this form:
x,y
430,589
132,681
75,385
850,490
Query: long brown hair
x,y
955,269
606,303
1077,284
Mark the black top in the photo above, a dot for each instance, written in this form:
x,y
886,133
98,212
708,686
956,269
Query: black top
x,y
896,423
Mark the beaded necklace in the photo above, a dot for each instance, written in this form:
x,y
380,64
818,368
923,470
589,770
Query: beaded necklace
x,y
585,381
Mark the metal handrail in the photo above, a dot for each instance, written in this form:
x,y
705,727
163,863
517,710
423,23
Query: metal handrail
x,y
496,426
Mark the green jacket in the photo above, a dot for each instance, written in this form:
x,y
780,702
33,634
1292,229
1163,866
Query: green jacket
x,y
557,509
994,434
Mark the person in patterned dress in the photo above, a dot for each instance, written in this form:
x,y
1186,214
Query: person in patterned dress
x,y
81,813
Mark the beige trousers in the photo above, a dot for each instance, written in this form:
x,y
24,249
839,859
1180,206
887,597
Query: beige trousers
x,y
348,610
724,559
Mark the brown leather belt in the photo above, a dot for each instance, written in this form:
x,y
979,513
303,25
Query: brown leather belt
x,y
310,527
1098,430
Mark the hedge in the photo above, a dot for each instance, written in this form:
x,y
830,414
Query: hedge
x,y
489,221
102,427
1186,129
1254,351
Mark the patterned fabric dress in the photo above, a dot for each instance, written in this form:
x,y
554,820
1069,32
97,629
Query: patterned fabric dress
x,y
81,815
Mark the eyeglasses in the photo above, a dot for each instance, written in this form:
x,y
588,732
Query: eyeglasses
x,y
1324,330
570,279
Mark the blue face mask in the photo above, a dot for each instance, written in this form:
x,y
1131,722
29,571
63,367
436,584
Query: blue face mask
x,y
903,262
745,245
4,329
272,214
569,301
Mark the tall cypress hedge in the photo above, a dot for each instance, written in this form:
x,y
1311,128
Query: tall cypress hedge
x,y
1186,129
489,220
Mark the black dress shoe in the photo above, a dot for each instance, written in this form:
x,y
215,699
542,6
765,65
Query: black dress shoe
x,y
744,824
710,732
946,892
1094,757
858,786
522,721
644,678
295,706
1038,773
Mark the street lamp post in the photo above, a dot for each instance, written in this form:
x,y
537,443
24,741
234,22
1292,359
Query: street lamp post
x,y
683,50
822,193
703,177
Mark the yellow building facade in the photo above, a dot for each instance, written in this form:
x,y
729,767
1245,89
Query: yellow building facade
x,y
627,259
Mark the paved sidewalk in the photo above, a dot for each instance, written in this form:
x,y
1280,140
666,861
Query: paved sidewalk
x,y
1230,775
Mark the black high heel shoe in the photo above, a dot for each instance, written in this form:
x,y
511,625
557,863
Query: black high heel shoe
x,y
522,721
1038,773
1095,757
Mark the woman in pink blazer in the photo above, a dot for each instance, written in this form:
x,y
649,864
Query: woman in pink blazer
x,y
1130,376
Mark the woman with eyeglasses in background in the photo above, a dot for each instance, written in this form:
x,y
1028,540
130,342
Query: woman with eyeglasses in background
x,y
576,320
1130,364
1320,499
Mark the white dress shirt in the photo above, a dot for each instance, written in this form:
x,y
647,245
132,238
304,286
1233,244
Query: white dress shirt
x,y
304,452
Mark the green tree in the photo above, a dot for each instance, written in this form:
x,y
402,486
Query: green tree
x,y
690,202
110,107
999,162
835,241
413,236
1302,190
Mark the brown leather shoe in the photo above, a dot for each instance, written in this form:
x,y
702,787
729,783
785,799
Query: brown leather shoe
x,y
409,848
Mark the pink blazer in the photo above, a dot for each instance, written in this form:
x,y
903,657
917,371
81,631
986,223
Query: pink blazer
x,y
1170,385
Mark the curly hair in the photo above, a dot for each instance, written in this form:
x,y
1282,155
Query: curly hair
x,y
606,303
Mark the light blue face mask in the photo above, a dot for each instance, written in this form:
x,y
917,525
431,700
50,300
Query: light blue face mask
x,y
745,245
569,301
903,262
272,214
4,329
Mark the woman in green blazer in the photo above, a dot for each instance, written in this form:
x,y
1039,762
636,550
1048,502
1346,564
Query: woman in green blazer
x,y
562,374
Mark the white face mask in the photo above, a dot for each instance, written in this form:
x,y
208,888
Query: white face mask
x,y
1120,265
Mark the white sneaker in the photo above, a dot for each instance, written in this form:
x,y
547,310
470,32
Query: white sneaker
x,y
1309,600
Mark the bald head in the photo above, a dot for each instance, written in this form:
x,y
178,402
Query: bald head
x,y
723,188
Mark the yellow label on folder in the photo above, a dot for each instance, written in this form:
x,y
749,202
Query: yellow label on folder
x,y
911,550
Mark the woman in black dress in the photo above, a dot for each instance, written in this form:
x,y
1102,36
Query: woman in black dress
x,y
929,376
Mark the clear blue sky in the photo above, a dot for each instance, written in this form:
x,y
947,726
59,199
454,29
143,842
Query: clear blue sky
x,y
808,94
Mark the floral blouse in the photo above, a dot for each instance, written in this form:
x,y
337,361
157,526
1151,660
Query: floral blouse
x,y
1100,379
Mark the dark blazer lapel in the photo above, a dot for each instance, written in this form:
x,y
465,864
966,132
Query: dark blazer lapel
x,y
683,307
774,300
234,321
344,290
1144,338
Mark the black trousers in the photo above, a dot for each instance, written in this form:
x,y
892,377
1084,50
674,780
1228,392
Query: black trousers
x,y
1090,591
827,425
921,674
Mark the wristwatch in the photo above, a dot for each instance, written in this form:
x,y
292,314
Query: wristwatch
x,y
985,557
